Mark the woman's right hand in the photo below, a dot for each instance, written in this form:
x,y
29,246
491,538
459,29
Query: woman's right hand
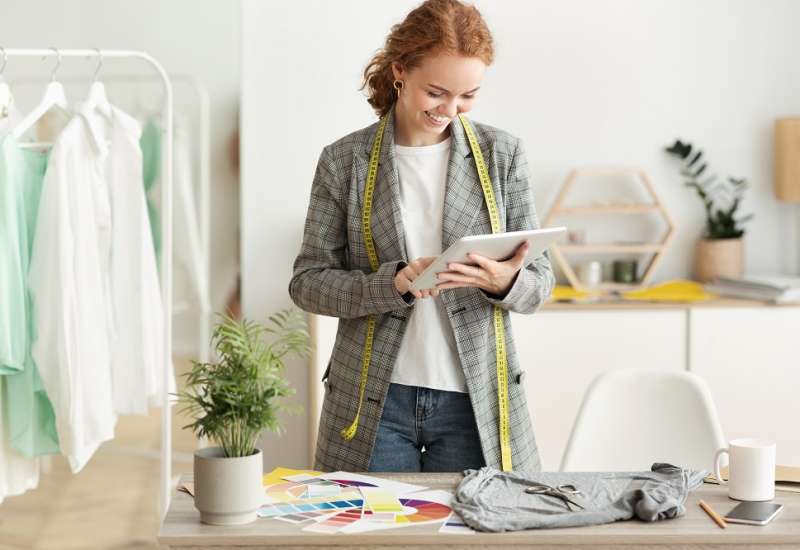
x,y
406,276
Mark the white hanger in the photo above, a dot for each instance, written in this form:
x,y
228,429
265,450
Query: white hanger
x,y
6,99
97,92
54,96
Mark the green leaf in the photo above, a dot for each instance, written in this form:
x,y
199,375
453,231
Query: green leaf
x,y
234,399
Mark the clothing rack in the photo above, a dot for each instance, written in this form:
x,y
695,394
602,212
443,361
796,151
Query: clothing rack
x,y
166,222
204,118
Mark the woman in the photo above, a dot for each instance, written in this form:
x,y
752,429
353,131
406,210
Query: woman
x,y
417,380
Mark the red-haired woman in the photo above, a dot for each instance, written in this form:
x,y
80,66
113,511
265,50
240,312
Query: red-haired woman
x,y
417,380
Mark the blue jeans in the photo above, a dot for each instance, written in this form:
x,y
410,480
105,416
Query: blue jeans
x,y
426,430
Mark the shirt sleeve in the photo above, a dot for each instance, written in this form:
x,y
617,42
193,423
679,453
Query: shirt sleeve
x,y
13,321
533,283
321,282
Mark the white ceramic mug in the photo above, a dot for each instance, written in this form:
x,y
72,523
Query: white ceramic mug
x,y
751,472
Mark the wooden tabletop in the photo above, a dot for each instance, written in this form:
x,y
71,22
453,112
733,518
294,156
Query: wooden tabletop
x,y
182,529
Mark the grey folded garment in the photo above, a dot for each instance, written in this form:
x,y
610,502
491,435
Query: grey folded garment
x,y
491,500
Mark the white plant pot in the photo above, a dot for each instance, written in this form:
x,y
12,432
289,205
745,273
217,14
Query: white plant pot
x,y
227,491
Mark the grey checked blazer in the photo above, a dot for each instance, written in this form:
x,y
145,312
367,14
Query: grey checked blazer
x,y
332,276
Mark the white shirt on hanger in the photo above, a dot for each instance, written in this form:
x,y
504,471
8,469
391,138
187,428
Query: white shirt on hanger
x,y
98,304
138,314
428,356
68,279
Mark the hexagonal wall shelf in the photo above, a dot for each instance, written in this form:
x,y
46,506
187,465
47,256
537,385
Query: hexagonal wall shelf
x,y
656,207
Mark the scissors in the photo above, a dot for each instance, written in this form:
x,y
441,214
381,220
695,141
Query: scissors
x,y
564,492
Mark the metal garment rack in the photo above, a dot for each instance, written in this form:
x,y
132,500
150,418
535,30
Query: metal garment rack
x,y
166,222
204,118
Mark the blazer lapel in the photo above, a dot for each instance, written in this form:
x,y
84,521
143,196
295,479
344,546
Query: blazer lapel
x,y
387,224
463,198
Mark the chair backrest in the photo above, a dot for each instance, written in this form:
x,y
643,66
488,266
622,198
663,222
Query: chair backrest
x,y
631,418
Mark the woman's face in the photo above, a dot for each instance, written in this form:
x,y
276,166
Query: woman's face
x,y
435,92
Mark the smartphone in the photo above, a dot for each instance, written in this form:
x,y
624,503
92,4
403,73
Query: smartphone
x,y
754,513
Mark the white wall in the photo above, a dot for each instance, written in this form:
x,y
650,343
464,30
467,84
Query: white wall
x,y
583,82
197,38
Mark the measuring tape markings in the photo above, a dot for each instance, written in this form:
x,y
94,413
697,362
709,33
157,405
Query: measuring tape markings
x,y
499,329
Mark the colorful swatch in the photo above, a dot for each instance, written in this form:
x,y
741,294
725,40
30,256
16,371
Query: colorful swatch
x,y
380,500
285,491
418,508
352,483
288,491
334,523
351,479
304,516
424,510
456,526
298,507
322,488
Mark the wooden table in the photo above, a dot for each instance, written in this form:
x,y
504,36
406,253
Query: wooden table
x,y
182,529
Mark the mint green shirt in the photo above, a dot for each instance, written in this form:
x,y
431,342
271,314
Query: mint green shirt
x,y
31,421
150,143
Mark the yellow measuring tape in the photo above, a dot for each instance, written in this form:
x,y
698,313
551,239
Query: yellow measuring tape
x,y
499,331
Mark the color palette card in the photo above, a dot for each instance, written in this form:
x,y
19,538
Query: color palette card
x,y
454,525
303,517
289,491
323,488
421,507
380,500
300,478
349,479
302,506
335,523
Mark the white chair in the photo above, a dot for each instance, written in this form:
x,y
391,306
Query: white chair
x,y
631,418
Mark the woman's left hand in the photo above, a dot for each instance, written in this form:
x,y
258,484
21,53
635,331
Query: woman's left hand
x,y
492,276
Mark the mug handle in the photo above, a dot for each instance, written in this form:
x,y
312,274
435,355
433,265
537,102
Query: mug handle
x,y
717,473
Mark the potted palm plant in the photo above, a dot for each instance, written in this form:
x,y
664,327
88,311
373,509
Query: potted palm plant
x,y
720,251
232,400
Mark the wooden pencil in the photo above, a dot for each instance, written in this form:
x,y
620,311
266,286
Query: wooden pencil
x,y
716,517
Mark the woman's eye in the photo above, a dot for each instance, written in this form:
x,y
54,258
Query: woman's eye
x,y
434,94
469,96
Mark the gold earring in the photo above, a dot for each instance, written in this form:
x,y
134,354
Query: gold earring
x,y
398,85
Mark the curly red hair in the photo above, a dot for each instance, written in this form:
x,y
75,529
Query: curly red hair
x,y
435,27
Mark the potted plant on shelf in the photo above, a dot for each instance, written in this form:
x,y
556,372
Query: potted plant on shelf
x,y
231,401
720,251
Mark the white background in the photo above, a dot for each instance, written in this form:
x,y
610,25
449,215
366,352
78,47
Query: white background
x,y
582,82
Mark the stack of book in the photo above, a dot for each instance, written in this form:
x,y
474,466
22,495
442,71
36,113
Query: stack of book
x,y
777,289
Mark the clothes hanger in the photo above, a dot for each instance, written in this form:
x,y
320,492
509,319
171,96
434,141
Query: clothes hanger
x,y
54,96
97,98
6,99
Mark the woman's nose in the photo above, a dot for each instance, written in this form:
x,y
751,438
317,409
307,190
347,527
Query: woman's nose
x,y
451,108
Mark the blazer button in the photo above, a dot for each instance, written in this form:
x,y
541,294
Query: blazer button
x,y
520,377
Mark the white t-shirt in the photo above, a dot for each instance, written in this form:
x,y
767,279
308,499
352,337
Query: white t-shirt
x,y
428,356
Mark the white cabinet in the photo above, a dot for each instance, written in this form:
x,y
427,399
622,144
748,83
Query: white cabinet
x,y
750,357
563,351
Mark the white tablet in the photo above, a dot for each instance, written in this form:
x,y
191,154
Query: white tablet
x,y
498,246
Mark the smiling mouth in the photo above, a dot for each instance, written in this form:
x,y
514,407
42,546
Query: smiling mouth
x,y
438,120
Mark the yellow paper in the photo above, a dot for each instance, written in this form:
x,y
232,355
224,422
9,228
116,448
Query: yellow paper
x,y
562,292
671,291
277,475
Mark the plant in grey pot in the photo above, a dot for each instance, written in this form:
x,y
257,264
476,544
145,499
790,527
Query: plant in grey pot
x,y
232,400
720,251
